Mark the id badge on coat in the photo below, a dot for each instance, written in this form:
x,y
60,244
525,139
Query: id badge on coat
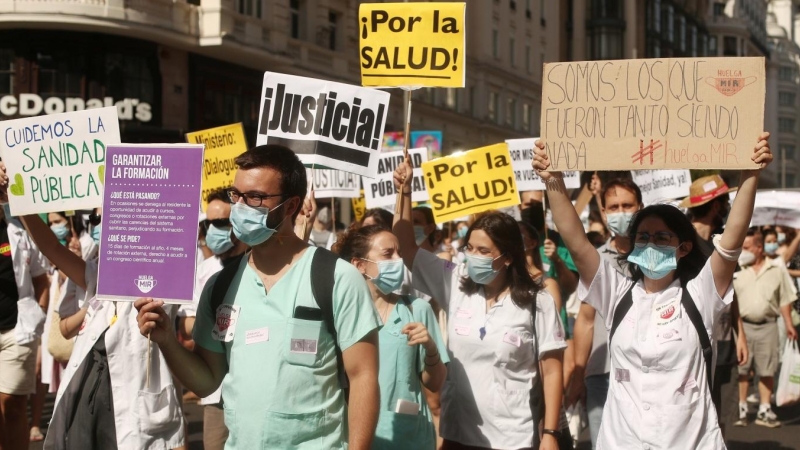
x,y
225,323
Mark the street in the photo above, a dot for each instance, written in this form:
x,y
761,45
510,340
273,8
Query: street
x,y
752,437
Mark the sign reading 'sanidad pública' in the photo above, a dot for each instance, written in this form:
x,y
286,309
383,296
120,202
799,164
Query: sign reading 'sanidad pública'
x,y
679,113
57,162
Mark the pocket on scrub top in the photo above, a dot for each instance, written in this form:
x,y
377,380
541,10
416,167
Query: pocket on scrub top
x,y
307,430
514,347
394,430
302,342
680,422
158,413
513,405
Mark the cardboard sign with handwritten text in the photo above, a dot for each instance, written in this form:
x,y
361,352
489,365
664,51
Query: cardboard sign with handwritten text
x,y
679,113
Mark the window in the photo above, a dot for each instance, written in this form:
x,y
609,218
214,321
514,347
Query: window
x,y
786,125
655,24
543,12
6,71
606,43
692,41
528,9
472,100
681,30
512,4
526,117
528,62
250,8
787,152
786,98
511,112
712,45
511,52
128,76
669,23
496,44
451,99
493,106
729,46
790,180
61,75
786,73
295,8
719,9
333,18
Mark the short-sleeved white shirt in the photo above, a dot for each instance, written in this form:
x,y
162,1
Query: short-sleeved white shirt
x,y
486,399
659,396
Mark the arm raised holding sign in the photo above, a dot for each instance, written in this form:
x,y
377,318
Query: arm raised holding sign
x,y
403,228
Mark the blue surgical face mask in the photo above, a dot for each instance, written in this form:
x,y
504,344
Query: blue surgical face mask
x,y
390,277
218,240
655,262
250,224
95,233
618,222
781,238
771,248
480,270
419,234
462,232
61,231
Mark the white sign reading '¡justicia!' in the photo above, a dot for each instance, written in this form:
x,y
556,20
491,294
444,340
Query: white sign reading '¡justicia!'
x,y
332,125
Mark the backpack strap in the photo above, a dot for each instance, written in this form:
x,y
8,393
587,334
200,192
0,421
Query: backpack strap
x,y
323,269
705,343
621,311
223,282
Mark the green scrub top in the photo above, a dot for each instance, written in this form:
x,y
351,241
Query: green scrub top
x,y
281,389
401,366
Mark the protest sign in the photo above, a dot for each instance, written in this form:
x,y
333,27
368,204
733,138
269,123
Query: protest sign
x,y
775,208
412,44
380,192
223,145
660,185
469,183
678,113
432,140
151,208
329,125
521,151
329,183
359,206
56,162
393,141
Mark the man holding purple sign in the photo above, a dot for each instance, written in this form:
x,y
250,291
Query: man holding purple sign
x,y
267,325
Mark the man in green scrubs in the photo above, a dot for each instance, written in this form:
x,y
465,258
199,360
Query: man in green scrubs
x,y
267,342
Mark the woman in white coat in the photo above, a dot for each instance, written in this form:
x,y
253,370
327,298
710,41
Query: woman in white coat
x,y
662,313
103,401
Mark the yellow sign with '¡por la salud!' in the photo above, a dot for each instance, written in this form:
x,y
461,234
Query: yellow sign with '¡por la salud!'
x,y
473,182
412,44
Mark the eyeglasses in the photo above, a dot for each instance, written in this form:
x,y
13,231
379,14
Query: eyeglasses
x,y
218,223
661,239
250,199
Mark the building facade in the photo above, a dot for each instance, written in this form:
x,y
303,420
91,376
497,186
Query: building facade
x,y
173,66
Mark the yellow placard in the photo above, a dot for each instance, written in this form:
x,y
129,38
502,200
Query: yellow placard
x,y
412,44
223,145
359,206
470,183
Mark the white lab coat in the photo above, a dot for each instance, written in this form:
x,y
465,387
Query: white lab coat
x,y
145,418
28,264
658,396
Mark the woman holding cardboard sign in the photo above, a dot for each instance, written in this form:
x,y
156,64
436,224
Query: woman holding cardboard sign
x,y
502,328
660,395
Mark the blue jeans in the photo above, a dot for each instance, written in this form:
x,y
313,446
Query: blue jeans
x,y
596,393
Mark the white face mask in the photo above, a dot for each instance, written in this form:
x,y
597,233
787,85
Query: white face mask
x,y
747,258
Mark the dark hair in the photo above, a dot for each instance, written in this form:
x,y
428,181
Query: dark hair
x,y
218,195
504,232
282,160
534,235
356,242
769,232
597,239
690,265
380,216
624,183
428,213
698,212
